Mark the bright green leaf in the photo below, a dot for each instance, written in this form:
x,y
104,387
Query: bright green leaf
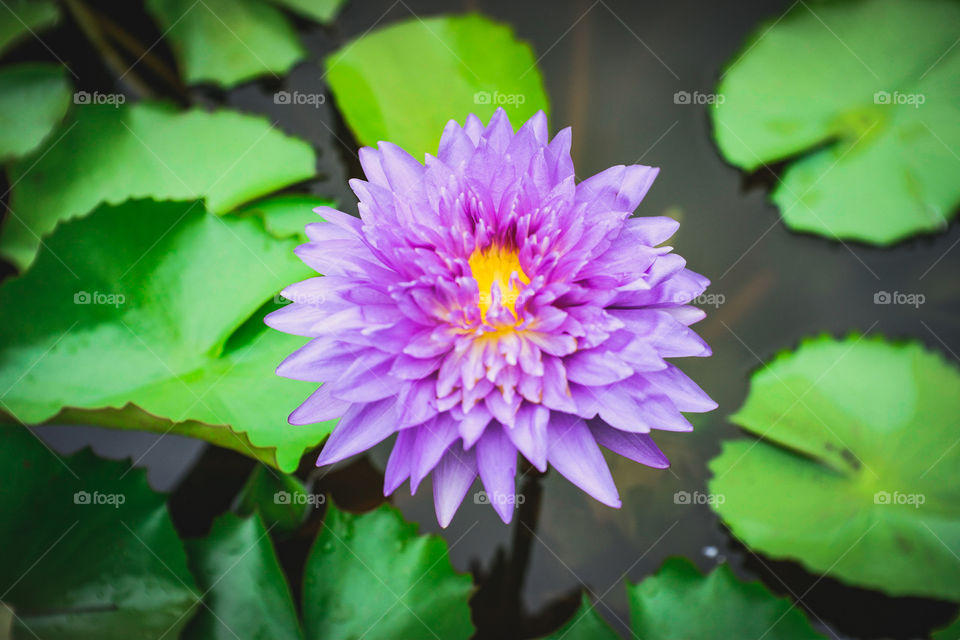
x,y
855,471
680,602
20,19
371,576
89,551
246,593
33,99
286,215
863,100
147,150
320,10
141,303
586,624
403,83
279,498
227,42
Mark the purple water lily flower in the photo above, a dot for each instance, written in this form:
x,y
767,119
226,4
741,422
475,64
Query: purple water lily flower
x,y
485,304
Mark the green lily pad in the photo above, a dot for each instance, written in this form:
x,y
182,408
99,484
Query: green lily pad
x,y
286,215
89,551
320,10
661,606
245,592
110,154
371,576
19,19
280,499
158,304
33,99
725,607
586,624
862,98
404,82
855,474
227,42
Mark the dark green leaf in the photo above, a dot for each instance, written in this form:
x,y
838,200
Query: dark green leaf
x,y
586,624
19,19
371,576
279,498
245,592
89,551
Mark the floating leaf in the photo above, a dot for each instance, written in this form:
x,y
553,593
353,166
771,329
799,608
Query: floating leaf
x,y
586,624
661,606
320,10
863,99
371,576
98,557
33,99
157,304
855,474
286,215
279,498
227,42
20,18
246,593
403,83
110,154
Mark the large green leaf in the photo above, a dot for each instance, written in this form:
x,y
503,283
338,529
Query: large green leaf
x,y
855,474
245,592
89,551
186,343
661,606
20,19
371,576
33,99
403,83
110,154
227,42
867,95
287,215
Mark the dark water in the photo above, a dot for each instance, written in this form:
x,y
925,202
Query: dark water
x,y
611,69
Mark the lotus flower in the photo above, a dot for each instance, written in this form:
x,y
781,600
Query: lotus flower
x,y
485,304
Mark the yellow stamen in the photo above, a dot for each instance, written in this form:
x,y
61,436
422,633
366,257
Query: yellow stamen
x,y
497,264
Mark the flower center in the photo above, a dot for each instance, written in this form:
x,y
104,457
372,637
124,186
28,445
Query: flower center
x,y
497,264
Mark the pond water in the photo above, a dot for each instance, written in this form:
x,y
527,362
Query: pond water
x,y
612,69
